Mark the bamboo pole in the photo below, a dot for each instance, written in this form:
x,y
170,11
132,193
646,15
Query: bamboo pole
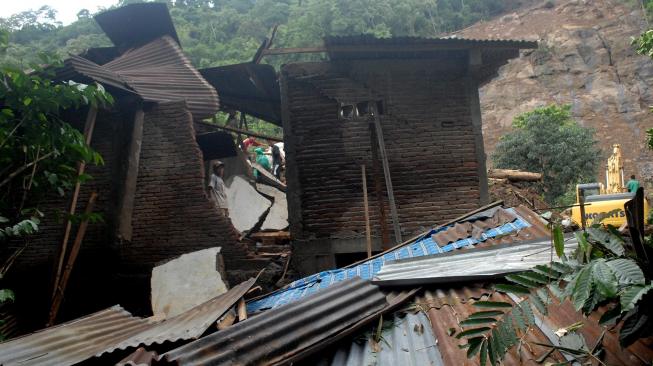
x,y
74,251
368,232
386,173
89,125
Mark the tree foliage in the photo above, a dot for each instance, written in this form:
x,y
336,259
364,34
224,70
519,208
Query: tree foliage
x,y
39,150
599,273
644,46
548,141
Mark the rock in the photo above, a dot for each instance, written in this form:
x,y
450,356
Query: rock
x,y
186,281
246,205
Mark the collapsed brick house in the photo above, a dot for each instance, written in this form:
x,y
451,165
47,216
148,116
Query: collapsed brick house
x,y
424,93
151,191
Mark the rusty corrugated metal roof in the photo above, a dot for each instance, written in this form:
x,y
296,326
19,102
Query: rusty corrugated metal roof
x,y
280,334
136,24
112,329
140,357
249,88
74,341
160,72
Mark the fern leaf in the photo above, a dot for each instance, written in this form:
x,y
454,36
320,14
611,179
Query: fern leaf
x,y
558,241
604,279
521,280
497,345
492,304
508,330
538,303
513,289
482,357
544,295
474,346
609,240
582,287
520,319
492,349
477,321
536,277
485,314
525,307
627,271
631,295
472,332
555,289
547,271
561,267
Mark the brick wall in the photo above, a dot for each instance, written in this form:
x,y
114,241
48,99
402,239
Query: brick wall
x,y
429,138
172,212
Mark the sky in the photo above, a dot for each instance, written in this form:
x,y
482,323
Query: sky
x,y
66,9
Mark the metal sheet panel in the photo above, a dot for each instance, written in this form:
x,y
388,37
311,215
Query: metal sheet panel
x,y
159,72
112,329
525,226
277,335
248,87
472,265
74,341
407,340
136,24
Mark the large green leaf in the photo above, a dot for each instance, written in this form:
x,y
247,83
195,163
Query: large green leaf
x,y
631,295
582,287
627,271
637,323
609,240
558,241
604,279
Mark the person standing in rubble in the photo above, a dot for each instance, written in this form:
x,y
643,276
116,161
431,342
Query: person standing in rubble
x,y
218,188
261,160
633,184
276,161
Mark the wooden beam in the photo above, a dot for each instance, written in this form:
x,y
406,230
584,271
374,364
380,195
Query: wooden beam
x,y
386,173
376,172
242,309
244,132
74,251
368,231
89,125
286,51
126,203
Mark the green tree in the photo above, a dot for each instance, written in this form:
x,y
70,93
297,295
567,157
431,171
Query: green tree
x,y
548,141
39,150
644,46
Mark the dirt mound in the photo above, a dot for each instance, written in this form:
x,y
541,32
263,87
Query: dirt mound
x,y
516,193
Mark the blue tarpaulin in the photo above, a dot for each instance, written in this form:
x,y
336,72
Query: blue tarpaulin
x,y
366,270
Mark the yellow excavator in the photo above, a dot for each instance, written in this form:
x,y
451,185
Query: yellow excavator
x,y
600,200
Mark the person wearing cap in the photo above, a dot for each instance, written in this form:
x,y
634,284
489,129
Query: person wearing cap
x,y
218,189
261,160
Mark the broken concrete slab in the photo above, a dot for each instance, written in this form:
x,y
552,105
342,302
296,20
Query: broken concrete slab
x,y
277,218
246,204
186,281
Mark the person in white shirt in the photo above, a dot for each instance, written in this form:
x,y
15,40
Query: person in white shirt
x,y
218,189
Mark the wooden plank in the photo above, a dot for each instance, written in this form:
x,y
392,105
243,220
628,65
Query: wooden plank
x,y
74,251
383,222
89,125
242,309
368,231
386,174
126,203
243,132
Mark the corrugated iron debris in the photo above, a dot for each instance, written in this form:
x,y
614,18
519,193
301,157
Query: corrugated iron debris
x,y
113,329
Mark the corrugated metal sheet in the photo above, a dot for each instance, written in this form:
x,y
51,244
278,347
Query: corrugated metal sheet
x,y
74,341
159,72
279,334
249,88
190,324
472,265
406,340
368,46
140,357
112,329
136,24
524,226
